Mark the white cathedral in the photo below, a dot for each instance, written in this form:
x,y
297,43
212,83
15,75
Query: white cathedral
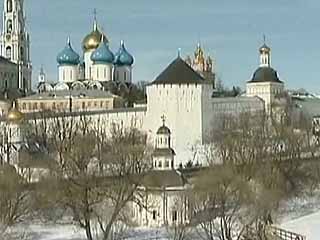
x,y
15,45
97,67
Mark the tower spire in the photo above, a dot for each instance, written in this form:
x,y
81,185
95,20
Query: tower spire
x,y
95,23
265,54
163,118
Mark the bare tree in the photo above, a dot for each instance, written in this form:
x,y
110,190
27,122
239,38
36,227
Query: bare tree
x,y
97,172
15,202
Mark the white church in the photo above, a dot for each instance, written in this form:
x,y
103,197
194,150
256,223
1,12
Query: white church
x,y
96,68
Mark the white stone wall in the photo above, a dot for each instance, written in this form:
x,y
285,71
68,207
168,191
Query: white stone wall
x,y
68,73
266,91
181,106
88,64
123,74
161,208
102,72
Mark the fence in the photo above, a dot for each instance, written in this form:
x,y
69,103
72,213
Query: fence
x,y
282,234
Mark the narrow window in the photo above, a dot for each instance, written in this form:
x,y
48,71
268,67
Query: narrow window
x,y
9,5
154,214
167,164
9,26
8,52
174,216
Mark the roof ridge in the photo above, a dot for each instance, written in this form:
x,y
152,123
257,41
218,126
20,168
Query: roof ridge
x,y
178,72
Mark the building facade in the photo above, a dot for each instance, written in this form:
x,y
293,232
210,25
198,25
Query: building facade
x,y
163,189
265,82
15,41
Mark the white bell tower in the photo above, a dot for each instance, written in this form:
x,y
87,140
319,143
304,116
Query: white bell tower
x,y
15,41
163,155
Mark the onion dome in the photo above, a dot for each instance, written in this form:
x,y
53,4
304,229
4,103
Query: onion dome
x,y
68,56
93,39
102,54
265,74
14,115
164,129
122,57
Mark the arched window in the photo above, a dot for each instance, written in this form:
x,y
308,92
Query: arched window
x,y
8,52
125,76
9,5
22,53
9,26
105,73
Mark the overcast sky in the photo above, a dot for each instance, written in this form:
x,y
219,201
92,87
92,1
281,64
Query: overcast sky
x,y
231,31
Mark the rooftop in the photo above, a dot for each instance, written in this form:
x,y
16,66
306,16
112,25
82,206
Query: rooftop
x,y
61,94
4,60
179,72
168,178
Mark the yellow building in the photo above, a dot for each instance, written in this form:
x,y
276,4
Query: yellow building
x,y
74,100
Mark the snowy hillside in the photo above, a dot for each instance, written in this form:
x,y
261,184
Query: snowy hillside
x,y
308,226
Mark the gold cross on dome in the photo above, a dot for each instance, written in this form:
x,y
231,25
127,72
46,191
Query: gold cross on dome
x,y
95,13
163,117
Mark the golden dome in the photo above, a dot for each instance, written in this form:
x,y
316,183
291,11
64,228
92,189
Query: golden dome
x,y
93,39
14,115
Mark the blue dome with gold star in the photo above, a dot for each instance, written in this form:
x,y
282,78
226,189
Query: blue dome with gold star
x,y
68,56
123,57
102,54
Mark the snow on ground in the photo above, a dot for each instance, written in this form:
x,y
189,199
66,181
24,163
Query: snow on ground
x,y
308,226
300,215
52,232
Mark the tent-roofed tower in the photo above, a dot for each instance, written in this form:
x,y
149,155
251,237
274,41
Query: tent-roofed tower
x,y
15,41
182,95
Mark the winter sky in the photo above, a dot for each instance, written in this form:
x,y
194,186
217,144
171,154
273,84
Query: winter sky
x,y
230,30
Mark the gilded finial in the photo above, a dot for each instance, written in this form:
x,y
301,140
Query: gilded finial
x,y
264,39
95,24
68,40
122,43
179,52
163,118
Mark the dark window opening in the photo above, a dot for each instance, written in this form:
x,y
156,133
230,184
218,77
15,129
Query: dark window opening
x,y
174,216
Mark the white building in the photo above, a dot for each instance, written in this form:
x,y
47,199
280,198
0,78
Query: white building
x,y
98,65
265,82
163,189
15,41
